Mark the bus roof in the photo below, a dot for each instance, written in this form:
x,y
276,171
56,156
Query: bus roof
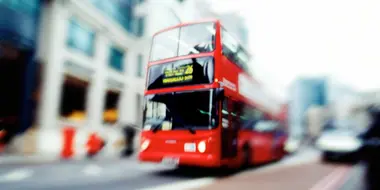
x,y
187,23
205,21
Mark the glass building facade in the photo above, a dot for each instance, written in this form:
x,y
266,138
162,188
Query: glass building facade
x,y
116,59
305,92
122,11
19,23
21,30
80,37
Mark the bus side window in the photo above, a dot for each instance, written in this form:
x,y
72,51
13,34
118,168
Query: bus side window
x,y
225,113
242,59
236,112
229,46
245,117
255,116
234,51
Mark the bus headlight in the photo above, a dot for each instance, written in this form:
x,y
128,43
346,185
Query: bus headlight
x,y
145,145
202,146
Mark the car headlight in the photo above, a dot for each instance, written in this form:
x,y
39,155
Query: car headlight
x,y
202,146
144,145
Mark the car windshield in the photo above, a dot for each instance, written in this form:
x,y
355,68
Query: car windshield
x,y
180,41
181,110
342,126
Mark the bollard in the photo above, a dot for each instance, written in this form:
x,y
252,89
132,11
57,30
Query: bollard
x,y
2,145
94,145
68,142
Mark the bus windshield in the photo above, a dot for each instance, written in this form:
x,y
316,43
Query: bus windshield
x,y
185,40
181,110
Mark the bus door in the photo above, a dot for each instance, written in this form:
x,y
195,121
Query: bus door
x,y
229,131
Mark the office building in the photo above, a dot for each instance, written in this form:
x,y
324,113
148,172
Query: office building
x,y
83,67
304,93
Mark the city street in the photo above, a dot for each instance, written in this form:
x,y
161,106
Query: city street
x,y
301,171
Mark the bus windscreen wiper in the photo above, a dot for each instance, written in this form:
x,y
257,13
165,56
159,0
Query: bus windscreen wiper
x,y
191,128
155,127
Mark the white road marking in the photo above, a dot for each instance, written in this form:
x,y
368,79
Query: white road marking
x,y
321,183
16,175
334,184
184,185
330,180
92,170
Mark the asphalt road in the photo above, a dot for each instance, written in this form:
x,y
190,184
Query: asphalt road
x,y
296,172
116,174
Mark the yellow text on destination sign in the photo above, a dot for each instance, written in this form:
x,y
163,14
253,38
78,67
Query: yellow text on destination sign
x,y
177,79
179,71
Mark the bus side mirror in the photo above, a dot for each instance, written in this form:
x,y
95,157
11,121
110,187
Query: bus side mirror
x,y
219,93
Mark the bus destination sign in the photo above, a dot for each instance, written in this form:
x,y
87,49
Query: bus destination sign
x,y
183,73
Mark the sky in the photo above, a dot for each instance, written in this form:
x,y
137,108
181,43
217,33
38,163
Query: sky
x,y
337,38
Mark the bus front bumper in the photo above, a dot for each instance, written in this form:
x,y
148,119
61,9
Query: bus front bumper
x,y
184,159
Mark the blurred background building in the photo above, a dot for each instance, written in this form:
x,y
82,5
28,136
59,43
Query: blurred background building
x,y
314,101
84,67
235,24
304,93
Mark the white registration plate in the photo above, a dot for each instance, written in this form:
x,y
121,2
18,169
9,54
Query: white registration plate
x,y
190,147
170,161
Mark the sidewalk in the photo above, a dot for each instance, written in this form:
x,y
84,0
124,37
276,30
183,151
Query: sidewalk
x,y
21,159
6,159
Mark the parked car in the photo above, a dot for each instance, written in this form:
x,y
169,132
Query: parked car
x,y
340,141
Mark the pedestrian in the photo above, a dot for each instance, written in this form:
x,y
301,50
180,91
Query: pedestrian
x,y
129,135
371,149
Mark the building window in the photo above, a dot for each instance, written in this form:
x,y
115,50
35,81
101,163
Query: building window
x,y
111,114
140,1
116,59
30,7
73,100
140,26
81,37
119,11
140,66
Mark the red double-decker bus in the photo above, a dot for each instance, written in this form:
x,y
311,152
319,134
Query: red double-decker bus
x,y
202,108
